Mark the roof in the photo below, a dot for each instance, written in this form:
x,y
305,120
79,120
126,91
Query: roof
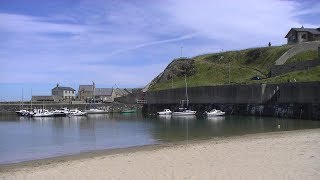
x,y
64,88
41,98
85,88
103,91
310,30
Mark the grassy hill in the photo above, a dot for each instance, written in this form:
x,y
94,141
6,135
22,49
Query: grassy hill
x,y
212,69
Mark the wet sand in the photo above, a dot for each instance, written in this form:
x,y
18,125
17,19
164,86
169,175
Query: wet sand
x,y
279,155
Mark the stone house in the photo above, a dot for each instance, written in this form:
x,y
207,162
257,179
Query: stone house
x,y
298,35
63,93
103,94
85,92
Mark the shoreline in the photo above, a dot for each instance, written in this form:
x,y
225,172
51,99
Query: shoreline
x,y
55,161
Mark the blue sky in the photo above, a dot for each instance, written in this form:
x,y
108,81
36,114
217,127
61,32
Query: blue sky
x,y
128,43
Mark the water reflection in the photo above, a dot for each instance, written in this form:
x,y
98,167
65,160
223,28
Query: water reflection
x,y
29,138
216,118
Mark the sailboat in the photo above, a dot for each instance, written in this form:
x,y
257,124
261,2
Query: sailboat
x,y
185,111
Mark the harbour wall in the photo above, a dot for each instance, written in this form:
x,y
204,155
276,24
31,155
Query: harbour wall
x,y
293,100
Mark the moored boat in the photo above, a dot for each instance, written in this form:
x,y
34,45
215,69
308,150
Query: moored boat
x,y
61,112
96,111
76,112
165,112
184,112
128,111
215,112
42,113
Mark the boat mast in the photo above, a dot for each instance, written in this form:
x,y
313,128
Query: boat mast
x,y
31,101
185,80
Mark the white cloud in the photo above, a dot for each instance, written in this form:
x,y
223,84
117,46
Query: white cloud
x,y
106,40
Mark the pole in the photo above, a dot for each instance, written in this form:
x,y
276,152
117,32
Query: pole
x,y
185,79
31,101
22,99
181,52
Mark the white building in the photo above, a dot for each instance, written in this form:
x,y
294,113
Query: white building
x,y
64,93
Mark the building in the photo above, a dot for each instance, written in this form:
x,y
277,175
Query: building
x,y
298,35
85,92
103,94
63,93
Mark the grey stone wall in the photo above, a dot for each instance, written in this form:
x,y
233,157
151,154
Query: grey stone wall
x,y
307,92
277,70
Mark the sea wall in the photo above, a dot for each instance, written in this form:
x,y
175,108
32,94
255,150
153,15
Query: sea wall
x,y
295,100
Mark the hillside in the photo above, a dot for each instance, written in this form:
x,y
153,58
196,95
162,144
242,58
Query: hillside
x,y
212,69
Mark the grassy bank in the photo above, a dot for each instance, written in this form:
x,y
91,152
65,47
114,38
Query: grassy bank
x,y
213,69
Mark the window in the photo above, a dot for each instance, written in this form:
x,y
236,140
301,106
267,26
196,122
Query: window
x,y
304,36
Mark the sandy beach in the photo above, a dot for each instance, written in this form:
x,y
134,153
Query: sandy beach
x,y
279,155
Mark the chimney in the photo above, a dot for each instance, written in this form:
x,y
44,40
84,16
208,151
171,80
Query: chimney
x,y
57,84
302,26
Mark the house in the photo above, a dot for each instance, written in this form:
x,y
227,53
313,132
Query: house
x,y
298,35
103,94
63,93
85,92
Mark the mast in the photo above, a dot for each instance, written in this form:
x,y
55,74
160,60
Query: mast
x,y
31,101
185,80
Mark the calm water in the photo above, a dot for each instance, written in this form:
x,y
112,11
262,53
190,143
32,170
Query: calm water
x,y
24,139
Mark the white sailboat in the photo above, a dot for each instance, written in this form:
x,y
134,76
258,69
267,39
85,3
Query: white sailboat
x,y
185,111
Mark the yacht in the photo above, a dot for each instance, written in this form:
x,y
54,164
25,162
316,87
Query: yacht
x,y
42,113
22,112
215,112
76,112
165,112
184,111
61,112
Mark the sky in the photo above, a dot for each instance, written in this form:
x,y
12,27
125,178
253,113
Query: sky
x,y
128,43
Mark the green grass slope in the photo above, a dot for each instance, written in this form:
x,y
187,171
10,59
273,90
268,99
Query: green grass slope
x,y
212,69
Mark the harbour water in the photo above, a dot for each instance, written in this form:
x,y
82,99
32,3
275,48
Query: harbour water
x,y
23,139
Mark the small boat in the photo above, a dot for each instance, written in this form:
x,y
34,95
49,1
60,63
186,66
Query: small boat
x,y
128,111
96,111
76,112
61,112
184,112
165,112
42,113
22,112
215,112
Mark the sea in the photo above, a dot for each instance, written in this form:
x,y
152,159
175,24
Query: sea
x,y
24,139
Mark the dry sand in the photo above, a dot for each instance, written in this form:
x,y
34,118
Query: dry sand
x,y
281,155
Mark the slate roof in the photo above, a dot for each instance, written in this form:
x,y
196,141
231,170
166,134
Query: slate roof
x,y
42,98
310,30
103,91
64,88
85,88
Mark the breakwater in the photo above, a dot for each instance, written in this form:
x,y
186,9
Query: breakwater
x,y
292,100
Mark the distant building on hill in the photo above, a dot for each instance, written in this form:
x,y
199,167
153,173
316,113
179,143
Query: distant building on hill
x,y
63,93
298,35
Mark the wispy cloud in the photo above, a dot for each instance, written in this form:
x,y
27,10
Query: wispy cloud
x,y
130,42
